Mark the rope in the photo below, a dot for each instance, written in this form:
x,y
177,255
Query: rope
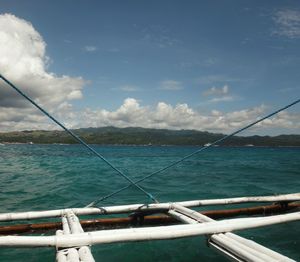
x,y
76,137
196,152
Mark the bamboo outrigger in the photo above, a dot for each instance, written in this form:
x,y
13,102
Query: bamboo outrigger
x,y
73,244
142,219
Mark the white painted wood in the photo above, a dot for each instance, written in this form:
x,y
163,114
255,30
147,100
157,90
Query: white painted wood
x,y
241,251
181,217
85,254
73,255
61,256
191,213
238,251
141,234
241,247
72,225
226,244
144,207
226,253
65,226
275,255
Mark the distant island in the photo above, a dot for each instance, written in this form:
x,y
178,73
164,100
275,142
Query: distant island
x,y
143,136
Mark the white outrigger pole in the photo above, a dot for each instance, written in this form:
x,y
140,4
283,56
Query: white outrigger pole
x,y
73,244
109,210
71,225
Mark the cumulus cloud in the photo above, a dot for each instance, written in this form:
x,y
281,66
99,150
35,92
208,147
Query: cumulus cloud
x,y
214,91
221,99
288,23
171,85
23,61
217,79
220,94
181,116
90,48
127,88
283,119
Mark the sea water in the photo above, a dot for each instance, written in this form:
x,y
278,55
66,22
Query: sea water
x,y
43,177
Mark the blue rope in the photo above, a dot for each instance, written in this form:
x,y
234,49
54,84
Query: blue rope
x,y
77,138
196,152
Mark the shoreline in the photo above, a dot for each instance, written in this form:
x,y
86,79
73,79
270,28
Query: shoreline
x,y
152,145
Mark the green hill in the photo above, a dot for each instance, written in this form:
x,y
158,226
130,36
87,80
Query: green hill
x,y
143,136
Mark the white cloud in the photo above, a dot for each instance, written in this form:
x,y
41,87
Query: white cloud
x,y
23,61
215,91
222,99
163,115
211,61
171,85
181,116
127,88
217,79
288,23
220,94
67,41
90,48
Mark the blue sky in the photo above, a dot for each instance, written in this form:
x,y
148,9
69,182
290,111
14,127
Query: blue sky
x,y
220,56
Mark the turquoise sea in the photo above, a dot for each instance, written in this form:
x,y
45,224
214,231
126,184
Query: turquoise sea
x,y
41,177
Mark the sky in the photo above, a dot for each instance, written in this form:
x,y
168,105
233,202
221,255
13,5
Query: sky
x,y
205,65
